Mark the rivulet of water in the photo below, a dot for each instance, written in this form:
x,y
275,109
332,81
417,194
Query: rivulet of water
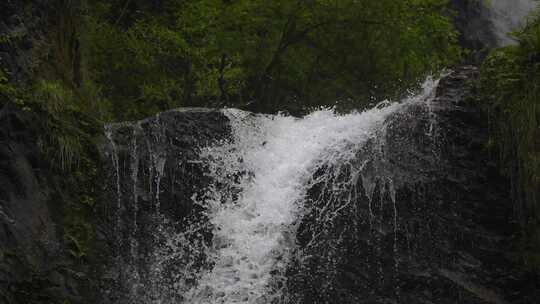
x,y
258,190
260,181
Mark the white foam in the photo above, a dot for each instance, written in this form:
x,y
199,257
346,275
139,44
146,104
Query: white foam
x,y
260,180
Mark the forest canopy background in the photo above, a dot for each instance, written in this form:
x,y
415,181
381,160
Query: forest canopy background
x,y
148,56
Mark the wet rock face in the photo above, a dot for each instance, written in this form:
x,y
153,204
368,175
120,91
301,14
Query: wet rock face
x,y
437,227
429,221
34,265
155,175
474,24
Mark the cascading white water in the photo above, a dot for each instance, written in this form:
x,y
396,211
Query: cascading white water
x,y
509,15
260,181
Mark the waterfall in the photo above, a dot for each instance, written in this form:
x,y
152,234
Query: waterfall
x,y
273,189
270,164
509,15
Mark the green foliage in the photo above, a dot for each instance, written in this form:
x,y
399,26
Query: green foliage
x,y
274,55
61,139
68,141
511,84
82,187
11,37
125,59
69,113
7,89
68,103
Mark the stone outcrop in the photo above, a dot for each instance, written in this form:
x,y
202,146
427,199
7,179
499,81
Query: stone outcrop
x,y
154,174
35,266
472,20
35,263
441,232
436,227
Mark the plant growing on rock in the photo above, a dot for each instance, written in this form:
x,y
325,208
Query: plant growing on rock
x,y
510,84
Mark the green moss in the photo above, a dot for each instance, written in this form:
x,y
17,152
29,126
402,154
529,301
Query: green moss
x,y
65,105
8,90
510,87
79,226
61,139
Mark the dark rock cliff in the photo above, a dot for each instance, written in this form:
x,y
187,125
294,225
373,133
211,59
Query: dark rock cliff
x,y
473,22
154,174
35,263
441,232
454,236
35,266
